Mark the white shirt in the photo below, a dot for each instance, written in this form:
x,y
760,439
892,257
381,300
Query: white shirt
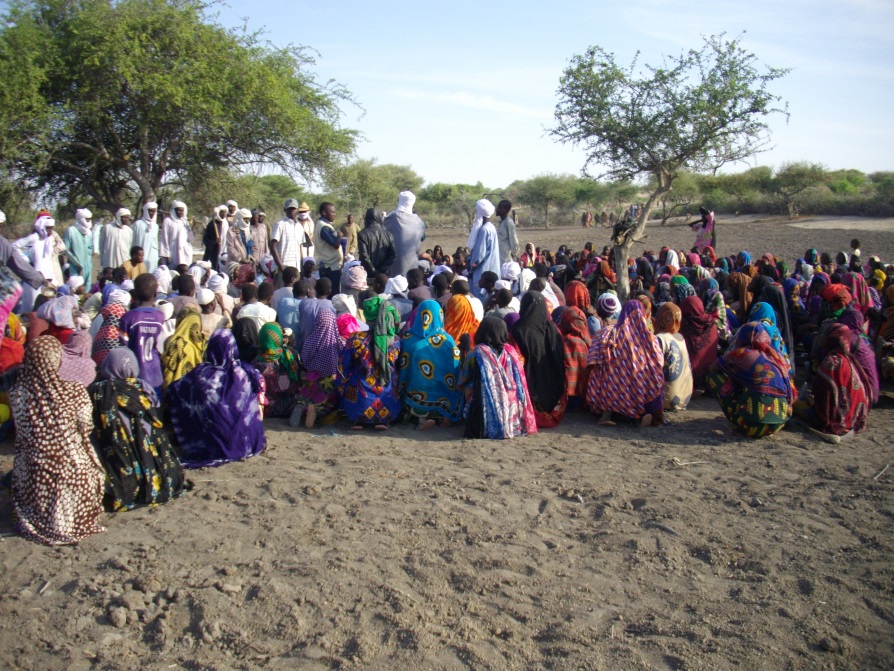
x,y
279,294
176,242
290,236
262,314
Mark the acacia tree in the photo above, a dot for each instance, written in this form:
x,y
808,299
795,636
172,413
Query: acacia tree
x,y
132,94
548,190
792,180
696,111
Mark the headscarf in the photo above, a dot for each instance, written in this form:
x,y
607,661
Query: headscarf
x,y
668,319
681,288
775,297
173,214
42,223
396,286
540,344
754,365
738,283
75,282
878,279
856,284
245,331
405,202
77,366
841,388
270,349
242,219
122,212
764,313
321,347
58,311
699,330
576,345
146,208
185,348
838,297
428,365
84,221
384,320
524,280
459,318
577,295
510,271
356,278
109,335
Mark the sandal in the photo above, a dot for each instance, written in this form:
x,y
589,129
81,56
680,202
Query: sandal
x,y
425,426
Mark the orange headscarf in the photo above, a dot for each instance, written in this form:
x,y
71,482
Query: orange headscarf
x,y
459,318
577,295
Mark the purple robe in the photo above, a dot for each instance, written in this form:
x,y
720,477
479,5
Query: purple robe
x,y
214,408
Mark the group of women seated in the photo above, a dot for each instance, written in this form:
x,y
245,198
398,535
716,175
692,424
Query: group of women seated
x,y
93,435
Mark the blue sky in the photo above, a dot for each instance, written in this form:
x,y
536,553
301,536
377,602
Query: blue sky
x,y
462,91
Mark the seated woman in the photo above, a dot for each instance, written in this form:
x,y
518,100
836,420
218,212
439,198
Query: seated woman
x,y
576,345
215,408
841,395
677,369
59,315
766,315
626,377
366,373
141,465
497,402
319,355
245,331
57,480
462,316
699,330
184,349
428,369
77,366
540,344
577,295
884,342
108,337
279,367
753,383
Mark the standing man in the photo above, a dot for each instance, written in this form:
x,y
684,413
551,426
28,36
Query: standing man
x,y
307,224
175,246
258,230
78,241
486,253
506,236
145,235
350,231
408,232
327,244
116,240
375,244
213,237
287,239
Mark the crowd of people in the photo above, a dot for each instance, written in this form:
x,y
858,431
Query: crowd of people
x,y
166,362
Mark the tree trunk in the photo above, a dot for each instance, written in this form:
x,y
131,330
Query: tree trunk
x,y
622,247
546,217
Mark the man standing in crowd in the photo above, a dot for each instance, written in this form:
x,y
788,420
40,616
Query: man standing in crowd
x,y
327,243
408,232
486,253
375,244
78,241
307,224
288,239
145,235
259,235
506,236
175,246
349,231
116,240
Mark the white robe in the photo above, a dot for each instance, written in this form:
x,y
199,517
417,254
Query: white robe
x,y
44,254
145,235
176,242
114,245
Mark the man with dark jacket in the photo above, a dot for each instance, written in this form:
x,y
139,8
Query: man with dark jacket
x,y
376,244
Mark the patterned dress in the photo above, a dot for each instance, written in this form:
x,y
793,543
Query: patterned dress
x,y
57,479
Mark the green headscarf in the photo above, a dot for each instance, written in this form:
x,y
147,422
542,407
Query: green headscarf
x,y
384,318
679,279
270,349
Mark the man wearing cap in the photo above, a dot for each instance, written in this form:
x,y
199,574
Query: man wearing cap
x,y
79,243
327,244
116,240
145,235
408,232
307,223
287,242
258,230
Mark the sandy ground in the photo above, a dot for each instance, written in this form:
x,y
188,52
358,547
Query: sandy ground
x,y
583,547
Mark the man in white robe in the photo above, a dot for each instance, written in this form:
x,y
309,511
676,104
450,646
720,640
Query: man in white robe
x,y
486,251
175,246
116,240
145,235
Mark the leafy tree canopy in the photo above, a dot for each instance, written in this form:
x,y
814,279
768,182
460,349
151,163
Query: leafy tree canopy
x,y
123,95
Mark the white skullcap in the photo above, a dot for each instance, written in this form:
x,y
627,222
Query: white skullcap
x,y
502,284
397,285
120,296
405,201
204,296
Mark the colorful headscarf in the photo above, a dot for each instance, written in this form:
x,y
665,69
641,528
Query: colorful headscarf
x,y
755,365
184,349
270,348
321,347
384,320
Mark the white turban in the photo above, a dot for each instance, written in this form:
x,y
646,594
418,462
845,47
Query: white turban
x,y
405,202
178,204
218,209
483,209
146,208
502,284
123,212
344,304
527,276
163,277
197,273
437,271
218,282
397,286
510,271
2,217
75,282
84,221
43,223
120,296
204,296
242,218
167,309
233,203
